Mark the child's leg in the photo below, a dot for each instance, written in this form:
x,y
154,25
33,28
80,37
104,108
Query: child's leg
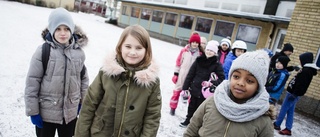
x,y
48,130
67,130
283,110
290,114
175,99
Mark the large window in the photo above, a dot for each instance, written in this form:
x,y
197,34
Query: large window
x,y
124,11
171,19
157,16
146,13
248,33
204,25
186,21
224,29
135,12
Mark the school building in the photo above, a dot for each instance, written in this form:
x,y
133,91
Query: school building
x,y
260,23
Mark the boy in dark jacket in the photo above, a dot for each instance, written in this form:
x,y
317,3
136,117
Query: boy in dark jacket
x,y
297,87
277,79
287,50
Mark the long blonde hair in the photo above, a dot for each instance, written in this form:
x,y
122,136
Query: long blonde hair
x,y
141,34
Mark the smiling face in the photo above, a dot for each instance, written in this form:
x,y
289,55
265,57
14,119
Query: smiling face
x,y
62,35
243,85
209,53
132,51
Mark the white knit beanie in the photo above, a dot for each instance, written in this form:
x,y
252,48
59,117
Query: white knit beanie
x,y
60,16
213,45
256,62
225,41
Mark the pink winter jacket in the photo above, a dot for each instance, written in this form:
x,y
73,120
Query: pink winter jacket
x,y
183,64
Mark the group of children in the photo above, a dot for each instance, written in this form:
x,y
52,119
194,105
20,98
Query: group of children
x,y
245,87
228,89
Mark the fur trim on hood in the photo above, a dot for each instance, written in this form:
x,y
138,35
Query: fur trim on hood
x,y
80,37
143,77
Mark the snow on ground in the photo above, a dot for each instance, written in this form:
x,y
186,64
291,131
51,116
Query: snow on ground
x,y
20,29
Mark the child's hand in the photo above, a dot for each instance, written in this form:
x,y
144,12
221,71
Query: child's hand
x,y
174,79
206,84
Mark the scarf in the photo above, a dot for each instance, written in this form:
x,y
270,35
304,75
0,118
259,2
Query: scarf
x,y
251,109
222,57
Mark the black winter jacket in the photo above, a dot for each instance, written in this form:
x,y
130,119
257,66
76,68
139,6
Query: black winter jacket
x,y
200,71
299,84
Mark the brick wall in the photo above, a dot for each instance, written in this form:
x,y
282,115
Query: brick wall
x,y
304,34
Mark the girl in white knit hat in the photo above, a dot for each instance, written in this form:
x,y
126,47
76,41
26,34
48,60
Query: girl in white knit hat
x,y
240,105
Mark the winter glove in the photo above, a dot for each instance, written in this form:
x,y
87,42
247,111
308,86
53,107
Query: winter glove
x,y
185,94
206,84
206,92
79,108
296,68
175,78
37,120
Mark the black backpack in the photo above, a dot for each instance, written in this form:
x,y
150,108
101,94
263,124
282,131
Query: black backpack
x,y
45,58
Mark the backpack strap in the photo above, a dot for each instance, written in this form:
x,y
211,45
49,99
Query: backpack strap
x,y
45,56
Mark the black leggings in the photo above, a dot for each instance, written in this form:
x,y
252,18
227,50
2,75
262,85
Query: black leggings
x,y
64,130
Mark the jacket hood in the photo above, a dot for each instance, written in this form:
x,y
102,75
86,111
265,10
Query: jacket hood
x,y
80,37
143,77
305,58
314,66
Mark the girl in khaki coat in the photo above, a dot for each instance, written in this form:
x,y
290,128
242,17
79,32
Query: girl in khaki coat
x,y
240,105
124,99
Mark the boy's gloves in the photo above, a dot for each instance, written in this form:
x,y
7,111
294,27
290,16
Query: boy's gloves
x,y
79,107
175,78
296,68
37,120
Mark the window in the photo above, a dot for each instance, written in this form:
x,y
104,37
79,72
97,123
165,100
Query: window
x,y
171,19
224,29
204,25
146,13
135,12
248,33
186,21
124,10
157,16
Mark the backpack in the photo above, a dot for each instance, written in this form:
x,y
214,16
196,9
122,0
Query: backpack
x,y
45,58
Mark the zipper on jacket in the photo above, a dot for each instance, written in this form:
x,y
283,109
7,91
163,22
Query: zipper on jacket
x,y
227,128
125,103
64,83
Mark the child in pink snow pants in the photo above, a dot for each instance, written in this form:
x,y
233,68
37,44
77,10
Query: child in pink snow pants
x,y
183,63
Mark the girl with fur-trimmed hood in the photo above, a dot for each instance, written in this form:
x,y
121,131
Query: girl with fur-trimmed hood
x,y
53,94
124,99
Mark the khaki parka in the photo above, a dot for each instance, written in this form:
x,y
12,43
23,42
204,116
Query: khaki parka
x,y
207,121
121,102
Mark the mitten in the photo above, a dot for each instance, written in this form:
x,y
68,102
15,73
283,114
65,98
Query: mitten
x,y
206,84
175,79
296,68
206,92
185,94
79,107
37,120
